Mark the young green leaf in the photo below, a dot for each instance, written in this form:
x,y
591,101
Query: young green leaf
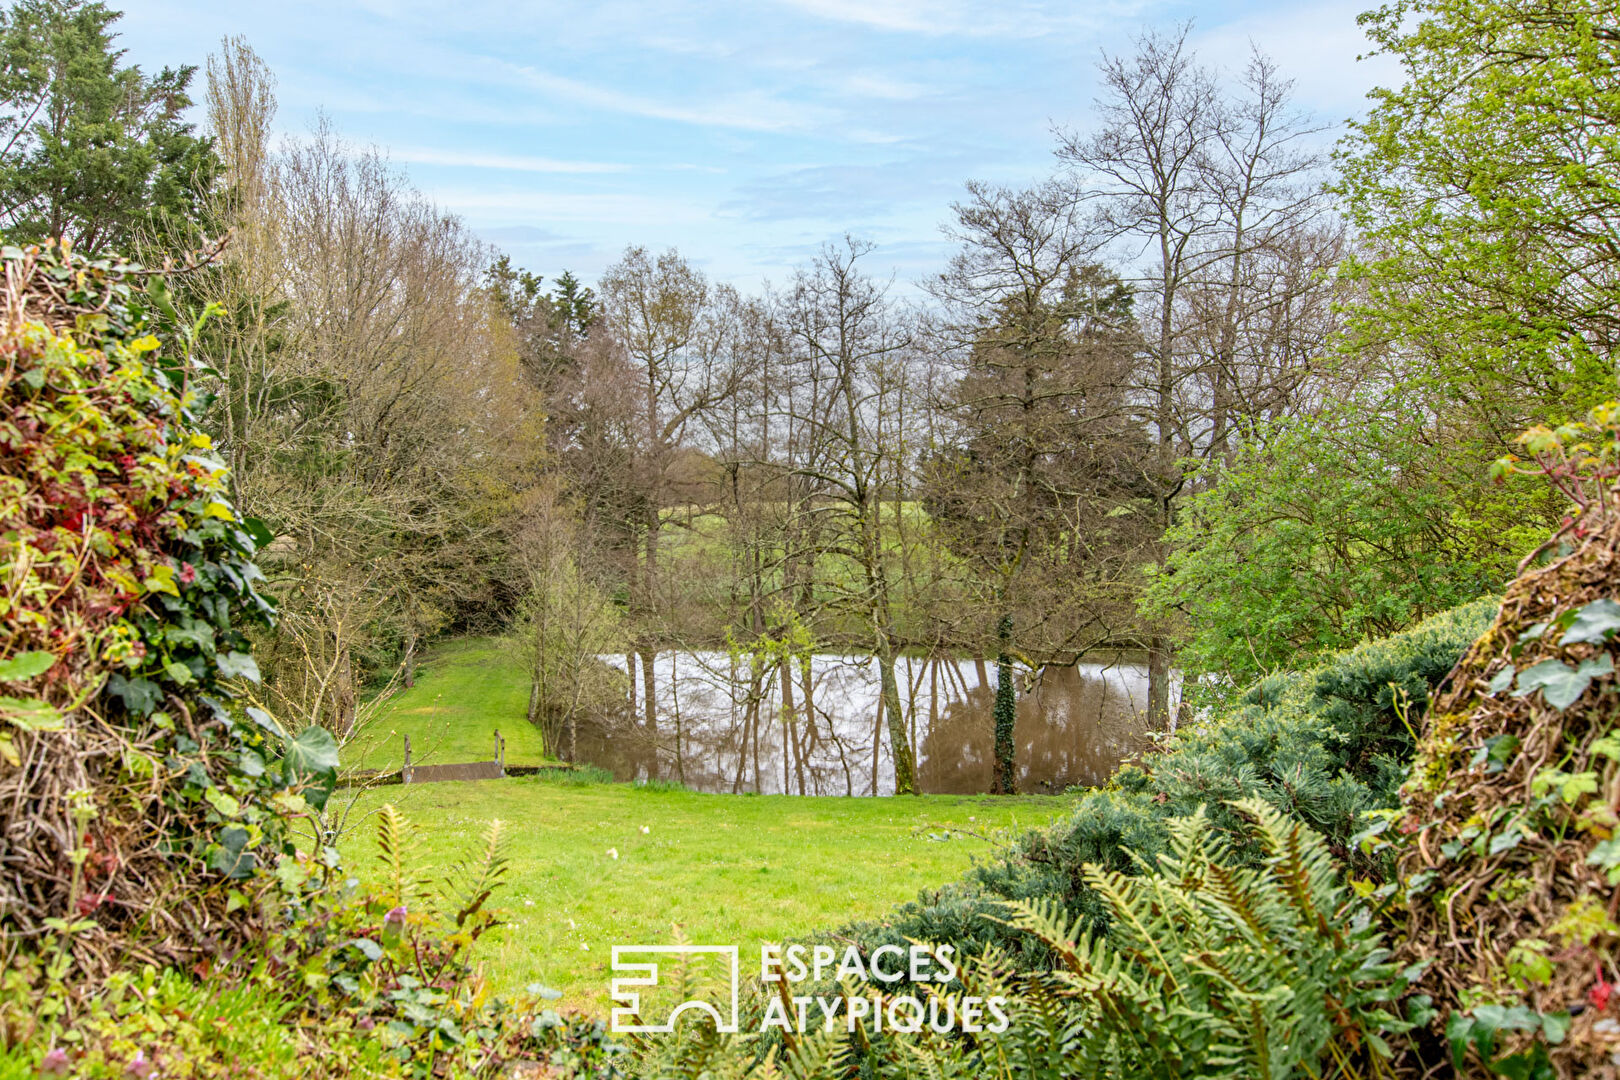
x,y
25,666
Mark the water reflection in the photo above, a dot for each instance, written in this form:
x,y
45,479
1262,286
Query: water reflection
x,y
723,728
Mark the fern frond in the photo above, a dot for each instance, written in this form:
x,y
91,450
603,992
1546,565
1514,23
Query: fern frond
x,y
471,881
397,848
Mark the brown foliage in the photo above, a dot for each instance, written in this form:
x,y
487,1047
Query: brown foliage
x,y
1487,911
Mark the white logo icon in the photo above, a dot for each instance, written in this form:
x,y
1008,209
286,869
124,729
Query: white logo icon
x,y
624,1015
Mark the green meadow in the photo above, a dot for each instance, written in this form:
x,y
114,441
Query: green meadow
x,y
466,690
596,864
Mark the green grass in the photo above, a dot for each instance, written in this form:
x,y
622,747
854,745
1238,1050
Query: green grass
x,y
466,689
727,869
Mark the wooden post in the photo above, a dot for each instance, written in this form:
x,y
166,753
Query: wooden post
x,y
405,770
500,751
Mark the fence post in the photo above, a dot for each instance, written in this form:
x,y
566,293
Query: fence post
x,y
500,751
405,770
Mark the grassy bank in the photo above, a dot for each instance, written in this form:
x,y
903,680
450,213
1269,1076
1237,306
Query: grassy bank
x,y
466,689
727,869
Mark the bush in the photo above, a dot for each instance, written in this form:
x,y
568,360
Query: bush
x,y
1507,829
1321,746
136,798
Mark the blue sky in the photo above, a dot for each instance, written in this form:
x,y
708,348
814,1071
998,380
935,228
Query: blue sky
x,y
745,134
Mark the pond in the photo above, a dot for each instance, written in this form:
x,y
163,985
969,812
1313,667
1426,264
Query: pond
x,y
718,730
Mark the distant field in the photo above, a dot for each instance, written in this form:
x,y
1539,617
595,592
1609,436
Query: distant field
x,y
466,689
728,869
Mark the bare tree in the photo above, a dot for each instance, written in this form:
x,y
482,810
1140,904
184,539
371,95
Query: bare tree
x,y
1195,187
370,400
658,312
852,348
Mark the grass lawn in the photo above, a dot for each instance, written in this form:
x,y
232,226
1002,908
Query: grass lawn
x,y
466,689
728,869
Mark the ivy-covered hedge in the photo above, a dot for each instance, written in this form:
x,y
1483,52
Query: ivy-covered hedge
x,y
1322,746
136,794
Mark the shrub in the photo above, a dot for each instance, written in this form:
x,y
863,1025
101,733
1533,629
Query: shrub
x,y
1214,968
1321,746
1507,828
136,799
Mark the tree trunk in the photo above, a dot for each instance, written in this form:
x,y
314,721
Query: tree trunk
x,y
877,737
807,681
905,769
1159,718
343,695
1005,777
534,702
791,742
410,658
649,701
630,667
675,697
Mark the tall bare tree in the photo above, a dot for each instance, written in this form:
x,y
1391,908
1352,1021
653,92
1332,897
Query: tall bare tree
x,y
1196,186
852,349
1041,424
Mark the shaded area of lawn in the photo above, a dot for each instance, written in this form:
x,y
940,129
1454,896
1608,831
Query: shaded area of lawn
x,y
728,869
466,689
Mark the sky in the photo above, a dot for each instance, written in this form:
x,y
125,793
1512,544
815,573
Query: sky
x,y
744,134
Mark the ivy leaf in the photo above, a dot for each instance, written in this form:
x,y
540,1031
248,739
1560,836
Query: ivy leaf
x,y
1571,786
1533,632
162,580
312,758
367,948
258,530
26,665
193,632
1606,856
266,721
225,804
230,856
1593,623
238,665
140,696
1495,753
178,672
1561,685
1503,680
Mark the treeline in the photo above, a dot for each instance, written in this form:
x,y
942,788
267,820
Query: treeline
x,y
1206,391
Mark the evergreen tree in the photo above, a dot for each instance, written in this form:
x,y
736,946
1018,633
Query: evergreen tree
x,y
91,150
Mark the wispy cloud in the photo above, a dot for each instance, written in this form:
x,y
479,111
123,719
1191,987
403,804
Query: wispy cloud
x,y
962,19
754,110
883,87
578,211
464,159
853,192
744,132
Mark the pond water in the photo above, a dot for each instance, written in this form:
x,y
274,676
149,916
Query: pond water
x,y
718,730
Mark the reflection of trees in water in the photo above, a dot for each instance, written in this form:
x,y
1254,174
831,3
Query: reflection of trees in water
x,y
722,727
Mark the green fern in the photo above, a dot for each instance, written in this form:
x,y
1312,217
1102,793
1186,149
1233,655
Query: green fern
x,y
397,844
471,881
1216,969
